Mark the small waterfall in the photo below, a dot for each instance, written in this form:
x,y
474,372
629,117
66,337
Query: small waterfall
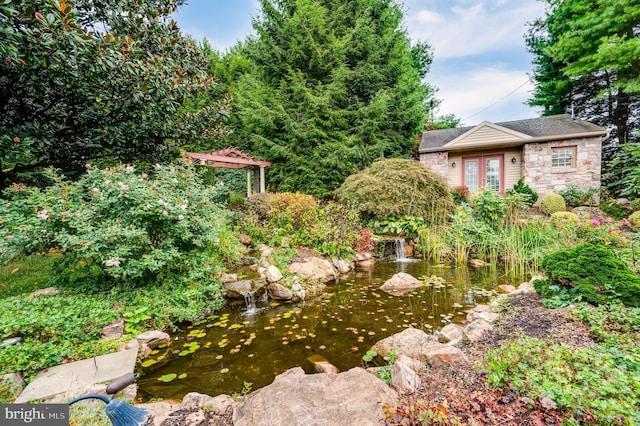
x,y
250,301
401,250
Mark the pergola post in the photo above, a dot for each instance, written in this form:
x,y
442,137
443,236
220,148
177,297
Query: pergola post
x,y
248,183
262,184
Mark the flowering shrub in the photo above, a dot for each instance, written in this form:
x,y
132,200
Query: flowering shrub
x,y
332,229
115,226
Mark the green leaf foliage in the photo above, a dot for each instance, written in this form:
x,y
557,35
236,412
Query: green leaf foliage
x,y
594,271
587,60
398,187
116,227
89,80
331,86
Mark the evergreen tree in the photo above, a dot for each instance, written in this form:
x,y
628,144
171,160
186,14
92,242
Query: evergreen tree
x,y
94,80
332,85
587,53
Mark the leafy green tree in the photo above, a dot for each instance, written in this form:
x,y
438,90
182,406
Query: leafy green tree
x,y
331,86
95,80
397,187
587,53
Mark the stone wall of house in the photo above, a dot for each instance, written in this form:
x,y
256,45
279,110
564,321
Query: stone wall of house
x,y
437,162
544,179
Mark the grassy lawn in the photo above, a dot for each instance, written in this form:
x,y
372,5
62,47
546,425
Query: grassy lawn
x,y
25,275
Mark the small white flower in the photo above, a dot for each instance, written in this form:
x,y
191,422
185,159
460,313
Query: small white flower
x,y
180,217
165,213
161,202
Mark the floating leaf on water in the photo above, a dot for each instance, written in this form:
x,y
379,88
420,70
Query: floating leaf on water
x,y
322,347
161,357
457,305
168,377
233,326
182,376
155,352
184,353
285,342
224,370
148,363
162,346
219,356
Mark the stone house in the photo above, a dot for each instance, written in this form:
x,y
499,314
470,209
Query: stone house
x,y
548,152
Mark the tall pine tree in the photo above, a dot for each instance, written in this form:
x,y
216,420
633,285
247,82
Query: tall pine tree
x,y
333,85
587,53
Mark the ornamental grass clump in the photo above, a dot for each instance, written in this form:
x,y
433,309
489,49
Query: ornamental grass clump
x,y
116,227
397,187
592,273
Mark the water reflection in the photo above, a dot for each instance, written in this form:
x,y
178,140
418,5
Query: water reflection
x,y
221,353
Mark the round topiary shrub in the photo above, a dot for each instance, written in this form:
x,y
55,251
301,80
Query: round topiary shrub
x,y
634,221
558,218
397,187
552,203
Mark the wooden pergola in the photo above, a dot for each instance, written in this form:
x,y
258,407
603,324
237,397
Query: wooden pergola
x,y
231,158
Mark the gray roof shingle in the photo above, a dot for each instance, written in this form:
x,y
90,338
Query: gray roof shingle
x,y
555,125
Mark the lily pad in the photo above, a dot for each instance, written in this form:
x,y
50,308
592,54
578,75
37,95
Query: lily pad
x,y
182,376
168,377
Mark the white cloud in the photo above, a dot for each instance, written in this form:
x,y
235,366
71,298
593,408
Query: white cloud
x,y
490,94
429,17
483,26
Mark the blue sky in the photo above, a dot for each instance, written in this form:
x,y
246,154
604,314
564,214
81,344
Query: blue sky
x,y
480,65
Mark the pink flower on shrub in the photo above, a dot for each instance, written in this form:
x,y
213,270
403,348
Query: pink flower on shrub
x,y
129,169
144,175
157,166
88,166
96,190
9,237
165,213
580,225
180,217
595,223
161,202
125,187
112,262
42,214
624,222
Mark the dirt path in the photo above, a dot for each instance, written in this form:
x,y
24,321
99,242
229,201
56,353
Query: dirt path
x,y
458,395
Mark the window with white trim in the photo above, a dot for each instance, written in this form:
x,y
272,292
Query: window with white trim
x,y
563,157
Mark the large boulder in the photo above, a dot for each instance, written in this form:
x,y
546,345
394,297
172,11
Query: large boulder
x,y
217,405
476,329
448,355
240,289
411,342
354,397
273,274
279,292
451,334
314,269
401,283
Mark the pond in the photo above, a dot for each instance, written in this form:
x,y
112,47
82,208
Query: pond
x,y
221,353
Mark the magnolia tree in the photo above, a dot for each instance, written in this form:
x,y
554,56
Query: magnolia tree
x,y
116,226
92,80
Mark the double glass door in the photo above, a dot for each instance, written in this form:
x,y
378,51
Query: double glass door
x,y
483,171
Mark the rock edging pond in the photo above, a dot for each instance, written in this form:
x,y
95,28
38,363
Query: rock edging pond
x,y
356,396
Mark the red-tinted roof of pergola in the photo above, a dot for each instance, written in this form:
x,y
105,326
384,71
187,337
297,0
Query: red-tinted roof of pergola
x,y
229,158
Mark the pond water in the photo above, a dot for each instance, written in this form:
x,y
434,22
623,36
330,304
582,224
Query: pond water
x,y
221,353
